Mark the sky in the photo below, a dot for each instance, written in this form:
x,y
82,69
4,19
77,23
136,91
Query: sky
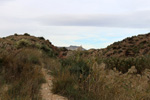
x,y
90,23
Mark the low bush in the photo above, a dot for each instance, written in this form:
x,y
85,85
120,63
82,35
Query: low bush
x,y
15,34
48,51
22,43
26,34
42,38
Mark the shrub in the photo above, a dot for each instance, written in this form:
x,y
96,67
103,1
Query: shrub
x,y
123,64
37,45
26,34
120,64
63,49
80,68
42,38
15,34
22,43
48,51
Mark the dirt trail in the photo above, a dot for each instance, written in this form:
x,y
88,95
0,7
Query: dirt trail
x,y
46,89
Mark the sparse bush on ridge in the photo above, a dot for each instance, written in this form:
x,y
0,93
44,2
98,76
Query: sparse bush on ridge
x,y
15,34
42,38
26,34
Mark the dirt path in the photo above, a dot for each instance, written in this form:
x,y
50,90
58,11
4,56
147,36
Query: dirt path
x,y
46,89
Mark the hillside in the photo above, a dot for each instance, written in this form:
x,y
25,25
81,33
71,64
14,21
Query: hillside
x,y
31,68
16,42
22,60
131,46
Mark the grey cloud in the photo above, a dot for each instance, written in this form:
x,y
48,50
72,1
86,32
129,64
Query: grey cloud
x,y
4,1
132,20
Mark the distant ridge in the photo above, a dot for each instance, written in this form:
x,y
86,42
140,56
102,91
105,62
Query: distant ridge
x,y
72,47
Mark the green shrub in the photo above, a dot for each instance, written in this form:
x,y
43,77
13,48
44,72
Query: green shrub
x,y
37,45
80,68
69,77
123,64
22,43
48,51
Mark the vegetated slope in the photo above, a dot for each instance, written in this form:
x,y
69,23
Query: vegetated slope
x,y
81,76
16,42
129,47
21,59
86,78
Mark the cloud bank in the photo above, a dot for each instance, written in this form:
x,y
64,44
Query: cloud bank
x,y
130,20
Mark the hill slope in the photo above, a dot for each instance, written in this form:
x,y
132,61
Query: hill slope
x,y
129,47
16,42
22,58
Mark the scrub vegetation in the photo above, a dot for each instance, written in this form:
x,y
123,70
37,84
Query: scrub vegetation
x,y
118,72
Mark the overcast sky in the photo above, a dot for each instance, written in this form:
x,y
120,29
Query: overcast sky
x,y
90,23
